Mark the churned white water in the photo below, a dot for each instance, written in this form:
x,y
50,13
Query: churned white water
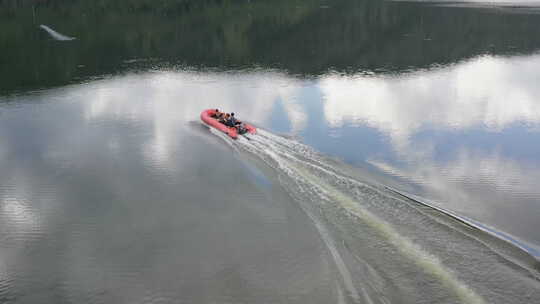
x,y
325,195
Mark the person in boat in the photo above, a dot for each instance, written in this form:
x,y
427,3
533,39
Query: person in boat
x,y
232,121
224,118
235,123
217,114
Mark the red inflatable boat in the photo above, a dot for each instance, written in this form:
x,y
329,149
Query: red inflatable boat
x,y
206,116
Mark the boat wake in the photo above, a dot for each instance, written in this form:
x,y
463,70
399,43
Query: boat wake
x,y
387,247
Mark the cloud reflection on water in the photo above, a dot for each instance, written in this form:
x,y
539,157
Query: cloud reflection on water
x,y
429,117
418,112
491,92
485,94
168,100
89,166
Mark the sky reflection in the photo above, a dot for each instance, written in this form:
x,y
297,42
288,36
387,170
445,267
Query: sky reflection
x,y
487,92
466,136
111,179
475,103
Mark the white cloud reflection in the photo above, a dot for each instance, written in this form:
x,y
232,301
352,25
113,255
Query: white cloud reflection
x,y
492,171
169,100
492,188
490,92
485,93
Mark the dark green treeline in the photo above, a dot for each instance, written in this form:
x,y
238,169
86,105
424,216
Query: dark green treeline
x,y
301,37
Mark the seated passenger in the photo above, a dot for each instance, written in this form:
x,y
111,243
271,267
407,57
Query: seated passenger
x,y
224,118
232,121
217,114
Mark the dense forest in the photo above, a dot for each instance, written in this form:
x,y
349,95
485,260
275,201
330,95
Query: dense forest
x,y
304,38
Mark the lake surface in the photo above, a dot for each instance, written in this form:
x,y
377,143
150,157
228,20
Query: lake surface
x,y
397,158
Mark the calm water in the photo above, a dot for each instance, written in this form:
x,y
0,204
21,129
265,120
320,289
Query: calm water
x,y
397,159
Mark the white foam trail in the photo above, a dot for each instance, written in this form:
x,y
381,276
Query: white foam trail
x,y
286,153
56,35
340,264
324,234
